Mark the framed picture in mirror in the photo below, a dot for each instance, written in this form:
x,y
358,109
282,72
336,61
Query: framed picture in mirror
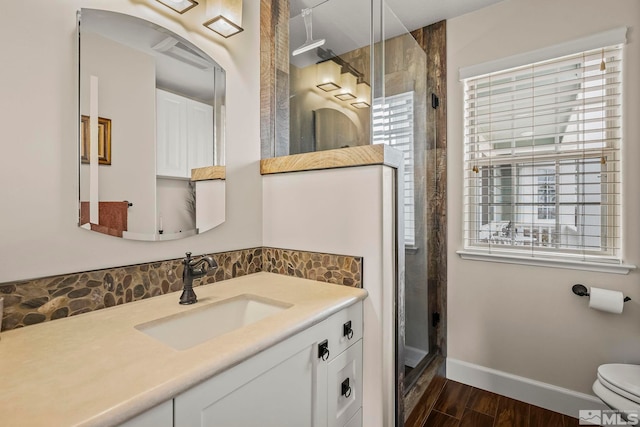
x,y
104,140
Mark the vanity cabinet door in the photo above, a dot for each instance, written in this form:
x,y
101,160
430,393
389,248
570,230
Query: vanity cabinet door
x,y
274,388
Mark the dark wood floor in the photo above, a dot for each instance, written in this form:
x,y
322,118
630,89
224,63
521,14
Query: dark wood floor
x,y
449,403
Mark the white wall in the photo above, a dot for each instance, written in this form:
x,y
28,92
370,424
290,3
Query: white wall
x,y
346,211
38,167
172,196
525,320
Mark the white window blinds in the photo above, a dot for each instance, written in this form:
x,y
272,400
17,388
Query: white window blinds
x,y
393,125
542,158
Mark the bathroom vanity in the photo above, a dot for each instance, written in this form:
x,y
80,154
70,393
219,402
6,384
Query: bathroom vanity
x,y
258,350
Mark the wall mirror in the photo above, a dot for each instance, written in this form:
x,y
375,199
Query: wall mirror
x,y
333,129
151,130
329,80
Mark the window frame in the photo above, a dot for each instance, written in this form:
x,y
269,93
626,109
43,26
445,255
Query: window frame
x,y
612,253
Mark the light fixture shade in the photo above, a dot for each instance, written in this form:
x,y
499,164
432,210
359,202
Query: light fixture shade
x,y
360,104
363,93
348,90
328,76
226,17
180,6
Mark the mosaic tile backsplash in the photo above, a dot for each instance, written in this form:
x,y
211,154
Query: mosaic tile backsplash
x,y
39,300
338,269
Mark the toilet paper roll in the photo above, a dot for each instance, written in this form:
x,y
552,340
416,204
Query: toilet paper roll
x,y
606,300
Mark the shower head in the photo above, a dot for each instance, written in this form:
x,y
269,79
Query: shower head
x,y
309,43
307,46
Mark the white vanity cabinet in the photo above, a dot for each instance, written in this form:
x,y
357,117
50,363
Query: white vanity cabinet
x,y
295,383
184,135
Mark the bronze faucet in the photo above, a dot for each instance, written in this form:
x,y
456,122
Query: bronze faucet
x,y
194,268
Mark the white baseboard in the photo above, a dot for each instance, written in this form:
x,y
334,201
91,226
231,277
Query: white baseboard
x,y
413,356
534,392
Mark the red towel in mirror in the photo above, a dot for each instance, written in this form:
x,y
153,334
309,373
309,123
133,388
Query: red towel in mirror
x,y
112,217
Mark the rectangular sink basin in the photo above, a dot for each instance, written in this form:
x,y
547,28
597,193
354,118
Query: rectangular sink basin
x,y
185,330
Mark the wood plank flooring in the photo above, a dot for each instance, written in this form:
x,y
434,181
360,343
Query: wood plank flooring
x,y
448,403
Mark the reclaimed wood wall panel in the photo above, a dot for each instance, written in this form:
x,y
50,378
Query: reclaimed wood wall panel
x,y
274,78
433,40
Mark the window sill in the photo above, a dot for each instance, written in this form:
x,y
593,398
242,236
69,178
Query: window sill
x,y
547,262
411,249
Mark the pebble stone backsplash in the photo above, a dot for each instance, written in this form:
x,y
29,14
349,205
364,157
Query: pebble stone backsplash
x,y
39,300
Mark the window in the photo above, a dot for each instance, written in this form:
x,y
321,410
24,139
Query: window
x,y
393,125
542,158
546,193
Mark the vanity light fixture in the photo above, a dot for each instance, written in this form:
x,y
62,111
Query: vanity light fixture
x,y
345,96
180,6
363,91
349,82
328,76
360,104
226,17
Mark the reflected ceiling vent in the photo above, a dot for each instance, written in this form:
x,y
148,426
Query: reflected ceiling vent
x,y
183,53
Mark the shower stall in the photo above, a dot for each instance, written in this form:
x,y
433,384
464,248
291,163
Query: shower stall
x,y
356,76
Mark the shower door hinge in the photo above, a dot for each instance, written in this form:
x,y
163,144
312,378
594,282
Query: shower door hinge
x,y
435,101
435,319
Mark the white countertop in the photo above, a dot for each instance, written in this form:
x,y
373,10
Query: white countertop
x,y
97,369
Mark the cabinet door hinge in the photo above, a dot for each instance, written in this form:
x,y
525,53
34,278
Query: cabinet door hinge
x,y
435,319
435,101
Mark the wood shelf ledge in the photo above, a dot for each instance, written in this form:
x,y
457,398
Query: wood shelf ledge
x,y
208,173
364,155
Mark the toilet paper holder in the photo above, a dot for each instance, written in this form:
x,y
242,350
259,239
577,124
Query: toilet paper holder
x,y
582,291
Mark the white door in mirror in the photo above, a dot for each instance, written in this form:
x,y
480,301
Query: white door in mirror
x,y
184,135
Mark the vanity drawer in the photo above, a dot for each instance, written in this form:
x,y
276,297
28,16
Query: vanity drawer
x,y
344,329
344,398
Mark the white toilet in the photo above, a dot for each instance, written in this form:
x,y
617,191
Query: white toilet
x,y
618,385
